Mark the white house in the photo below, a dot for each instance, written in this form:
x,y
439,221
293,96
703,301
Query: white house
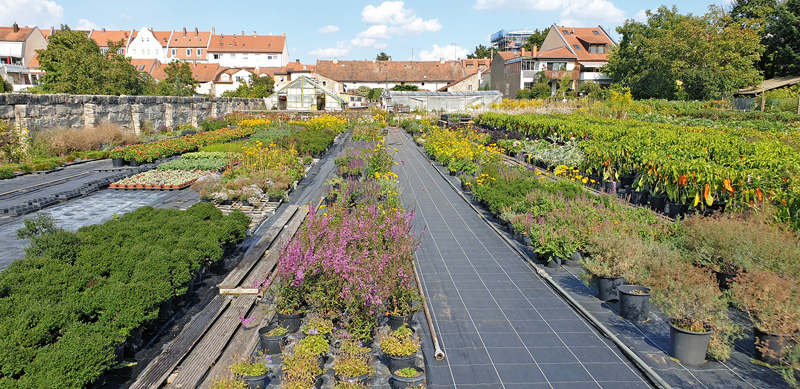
x,y
149,44
18,47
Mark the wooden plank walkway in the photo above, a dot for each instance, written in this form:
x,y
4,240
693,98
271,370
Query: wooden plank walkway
x,y
251,257
162,366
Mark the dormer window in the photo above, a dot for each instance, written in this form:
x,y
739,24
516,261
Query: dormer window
x,y
225,77
576,46
566,32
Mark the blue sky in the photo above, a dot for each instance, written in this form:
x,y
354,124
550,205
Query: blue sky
x,y
347,29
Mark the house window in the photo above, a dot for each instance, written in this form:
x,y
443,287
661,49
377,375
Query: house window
x,y
174,52
119,51
134,51
188,52
556,66
576,46
323,83
423,84
469,66
199,52
216,56
593,49
527,85
104,50
566,32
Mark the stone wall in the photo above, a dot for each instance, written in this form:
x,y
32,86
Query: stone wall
x,y
41,112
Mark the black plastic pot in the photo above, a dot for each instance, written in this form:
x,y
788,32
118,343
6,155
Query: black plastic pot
x,y
256,382
639,197
675,210
271,345
634,306
396,322
133,162
398,382
555,262
611,187
117,162
361,379
291,322
397,363
607,287
657,203
770,347
688,347
724,280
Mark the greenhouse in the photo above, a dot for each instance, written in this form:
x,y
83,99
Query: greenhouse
x,y
305,94
400,101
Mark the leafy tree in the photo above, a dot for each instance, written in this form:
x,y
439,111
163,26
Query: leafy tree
x,y
537,38
758,15
5,86
382,56
480,52
364,90
408,88
705,55
74,64
255,88
783,51
179,81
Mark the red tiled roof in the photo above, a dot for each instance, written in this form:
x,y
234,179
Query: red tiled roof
x,y
508,55
476,65
398,71
190,39
203,72
145,65
561,52
7,34
247,43
585,37
34,63
162,37
102,37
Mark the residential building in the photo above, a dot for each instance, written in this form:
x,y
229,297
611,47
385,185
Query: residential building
x,y
18,47
426,75
191,46
354,100
568,54
103,37
243,51
505,40
471,82
205,74
149,44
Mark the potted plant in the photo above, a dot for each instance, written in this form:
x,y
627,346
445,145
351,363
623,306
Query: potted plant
x,y
400,346
116,156
352,367
352,346
301,371
315,347
771,300
609,256
317,325
253,371
402,304
698,312
272,338
349,384
288,302
409,377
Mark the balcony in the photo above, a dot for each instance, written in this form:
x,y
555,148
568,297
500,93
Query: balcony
x,y
594,76
558,74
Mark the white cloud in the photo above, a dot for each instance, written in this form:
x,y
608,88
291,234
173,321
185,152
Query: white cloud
x,y
389,12
331,52
41,13
641,16
329,29
379,31
85,24
125,17
417,26
449,52
363,42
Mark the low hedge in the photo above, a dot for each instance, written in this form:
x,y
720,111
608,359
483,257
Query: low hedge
x,y
76,296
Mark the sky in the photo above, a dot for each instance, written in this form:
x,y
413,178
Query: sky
x,y
350,29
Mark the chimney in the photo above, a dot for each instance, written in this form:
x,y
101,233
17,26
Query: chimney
x,y
213,31
297,60
284,34
534,51
374,60
243,33
255,34
52,30
16,27
196,33
184,32
441,61
335,61
104,30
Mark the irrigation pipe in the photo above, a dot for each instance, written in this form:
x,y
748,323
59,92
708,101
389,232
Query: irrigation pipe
x,y
651,374
437,351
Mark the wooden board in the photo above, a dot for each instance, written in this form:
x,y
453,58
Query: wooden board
x,y
266,264
234,278
161,367
194,368
246,338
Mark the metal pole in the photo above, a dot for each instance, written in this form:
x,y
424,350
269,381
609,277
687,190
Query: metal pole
x,y
763,99
437,352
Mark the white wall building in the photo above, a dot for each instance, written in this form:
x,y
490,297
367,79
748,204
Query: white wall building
x,y
248,51
149,44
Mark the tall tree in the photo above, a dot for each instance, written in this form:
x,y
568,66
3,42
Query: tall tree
x,y
382,56
255,88
179,80
783,47
699,57
481,51
74,64
537,38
